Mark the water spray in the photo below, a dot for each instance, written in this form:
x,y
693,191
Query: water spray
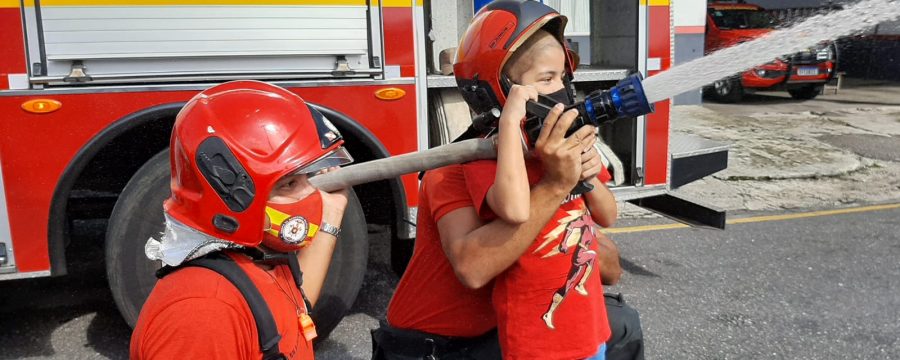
x,y
630,97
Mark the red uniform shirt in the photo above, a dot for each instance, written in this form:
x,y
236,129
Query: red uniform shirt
x,y
195,313
429,297
549,304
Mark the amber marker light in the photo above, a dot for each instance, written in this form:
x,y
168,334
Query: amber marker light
x,y
41,106
391,93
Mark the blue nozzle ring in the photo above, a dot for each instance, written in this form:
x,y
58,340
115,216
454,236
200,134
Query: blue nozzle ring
x,y
616,99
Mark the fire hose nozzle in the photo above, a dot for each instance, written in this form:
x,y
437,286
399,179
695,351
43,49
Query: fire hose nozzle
x,y
627,97
625,100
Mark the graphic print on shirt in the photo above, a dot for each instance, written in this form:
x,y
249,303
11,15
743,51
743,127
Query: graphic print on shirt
x,y
578,227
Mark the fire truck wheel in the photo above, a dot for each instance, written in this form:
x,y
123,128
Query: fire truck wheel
x,y
727,90
808,92
133,221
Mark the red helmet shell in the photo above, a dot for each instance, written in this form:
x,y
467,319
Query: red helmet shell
x,y
230,145
492,37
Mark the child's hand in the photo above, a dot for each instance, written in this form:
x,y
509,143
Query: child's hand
x,y
560,155
591,163
514,109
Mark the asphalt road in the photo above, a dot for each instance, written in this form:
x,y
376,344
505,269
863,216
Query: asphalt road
x,y
814,288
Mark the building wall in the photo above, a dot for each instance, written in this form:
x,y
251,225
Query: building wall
x,y
689,17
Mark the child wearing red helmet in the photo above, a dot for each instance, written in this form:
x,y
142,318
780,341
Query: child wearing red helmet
x,y
477,262
549,303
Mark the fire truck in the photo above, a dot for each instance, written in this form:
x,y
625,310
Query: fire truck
x,y
89,90
803,74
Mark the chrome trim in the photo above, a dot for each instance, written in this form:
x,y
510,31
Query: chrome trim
x,y
25,275
172,77
626,193
584,74
441,81
409,226
376,33
643,29
684,145
32,45
196,86
640,160
421,76
5,231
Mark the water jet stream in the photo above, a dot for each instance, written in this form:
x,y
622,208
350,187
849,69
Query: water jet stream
x,y
674,81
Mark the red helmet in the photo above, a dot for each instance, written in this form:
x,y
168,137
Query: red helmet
x,y
231,144
492,37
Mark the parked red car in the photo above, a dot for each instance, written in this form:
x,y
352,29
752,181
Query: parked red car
x,y
802,74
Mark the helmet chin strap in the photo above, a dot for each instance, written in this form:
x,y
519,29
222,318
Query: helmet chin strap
x,y
570,88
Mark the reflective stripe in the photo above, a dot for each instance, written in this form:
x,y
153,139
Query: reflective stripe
x,y
194,2
278,217
397,3
385,3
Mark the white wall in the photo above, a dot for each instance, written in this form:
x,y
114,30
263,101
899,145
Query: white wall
x,y
578,12
689,12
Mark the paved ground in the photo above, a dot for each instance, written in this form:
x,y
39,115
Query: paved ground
x,y
817,288
814,288
836,150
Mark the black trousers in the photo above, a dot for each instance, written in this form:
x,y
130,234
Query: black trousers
x,y
627,339
388,343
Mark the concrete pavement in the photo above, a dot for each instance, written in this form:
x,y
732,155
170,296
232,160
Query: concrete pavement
x,y
787,154
814,288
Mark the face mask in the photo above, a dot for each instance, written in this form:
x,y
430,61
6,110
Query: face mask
x,y
560,96
293,225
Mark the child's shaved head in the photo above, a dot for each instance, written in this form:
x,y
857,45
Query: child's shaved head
x,y
533,47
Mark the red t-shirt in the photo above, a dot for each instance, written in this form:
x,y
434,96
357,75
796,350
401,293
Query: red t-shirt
x,y
549,304
429,297
195,313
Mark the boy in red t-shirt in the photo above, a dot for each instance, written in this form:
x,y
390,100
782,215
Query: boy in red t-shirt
x,y
468,232
538,313
549,303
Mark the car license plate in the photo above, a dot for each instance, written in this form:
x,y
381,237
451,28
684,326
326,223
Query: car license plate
x,y
808,71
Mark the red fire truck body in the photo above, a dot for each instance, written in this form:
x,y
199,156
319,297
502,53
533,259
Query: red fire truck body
x,y
89,90
802,74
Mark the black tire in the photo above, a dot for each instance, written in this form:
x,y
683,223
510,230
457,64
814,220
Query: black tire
x,y
727,90
138,216
808,92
